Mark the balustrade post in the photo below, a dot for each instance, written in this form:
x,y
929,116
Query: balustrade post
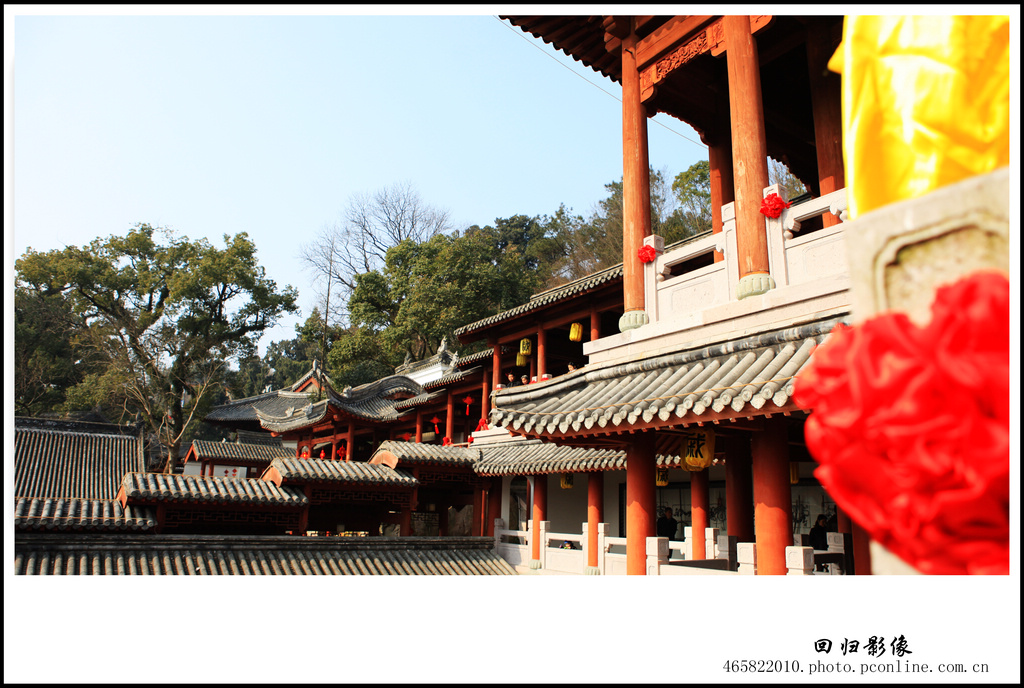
x,y
544,527
657,555
746,555
800,561
711,543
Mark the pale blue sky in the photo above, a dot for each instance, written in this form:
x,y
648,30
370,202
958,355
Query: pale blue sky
x,y
269,124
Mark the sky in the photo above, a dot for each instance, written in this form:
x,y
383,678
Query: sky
x,y
268,121
270,125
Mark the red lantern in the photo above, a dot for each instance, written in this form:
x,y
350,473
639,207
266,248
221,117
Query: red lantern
x,y
467,400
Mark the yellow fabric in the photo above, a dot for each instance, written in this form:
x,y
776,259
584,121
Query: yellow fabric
x,y
926,103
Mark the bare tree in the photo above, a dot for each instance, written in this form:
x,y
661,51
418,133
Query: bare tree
x,y
371,224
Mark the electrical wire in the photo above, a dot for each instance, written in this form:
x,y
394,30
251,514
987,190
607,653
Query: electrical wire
x,y
522,35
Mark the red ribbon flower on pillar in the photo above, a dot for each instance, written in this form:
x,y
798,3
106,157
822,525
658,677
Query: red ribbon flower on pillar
x,y
647,253
446,441
482,425
406,436
911,428
467,400
772,205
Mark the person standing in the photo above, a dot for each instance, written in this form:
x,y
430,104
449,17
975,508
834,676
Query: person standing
x,y
667,525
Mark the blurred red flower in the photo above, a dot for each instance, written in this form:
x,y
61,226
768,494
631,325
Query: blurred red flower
x,y
911,428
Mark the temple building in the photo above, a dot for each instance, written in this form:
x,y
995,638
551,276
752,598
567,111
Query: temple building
x,y
665,382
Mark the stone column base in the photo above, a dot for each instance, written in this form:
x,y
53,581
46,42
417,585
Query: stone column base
x,y
535,563
754,284
591,571
631,320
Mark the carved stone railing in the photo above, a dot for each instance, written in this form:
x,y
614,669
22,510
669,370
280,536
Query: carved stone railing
x,y
683,284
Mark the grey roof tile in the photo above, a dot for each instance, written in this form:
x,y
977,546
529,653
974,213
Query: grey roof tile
x,y
81,515
56,463
53,554
239,452
354,472
419,453
161,487
688,386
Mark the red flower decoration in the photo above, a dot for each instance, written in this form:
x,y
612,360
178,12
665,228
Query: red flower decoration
x,y
772,205
911,428
482,425
467,400
647,253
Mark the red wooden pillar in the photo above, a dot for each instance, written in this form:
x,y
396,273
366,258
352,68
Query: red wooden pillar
x,y
478,512
750,155
861,543
636,188
485,397
493,504
641,501
540,513
700,499
496,378
419,426
720,168
350,442
773,518
595,513
826,101
449,419
739,490
595,324
405,522
541,348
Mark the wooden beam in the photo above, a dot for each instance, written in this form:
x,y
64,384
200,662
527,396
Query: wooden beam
x,y
675,31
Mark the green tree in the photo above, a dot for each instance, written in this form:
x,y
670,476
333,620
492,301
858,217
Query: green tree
x,y
165,316
429,289
47,358
692,188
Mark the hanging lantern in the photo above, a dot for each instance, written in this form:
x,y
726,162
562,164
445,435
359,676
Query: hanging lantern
x,y
576,332
698,450
661,477
794,473
435,420
521,360
467,400
525,347
567,481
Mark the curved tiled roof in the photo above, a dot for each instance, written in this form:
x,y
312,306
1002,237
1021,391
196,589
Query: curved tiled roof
x,y
740,376
545,298
160,487
366,402
453,377
534,456
239,452
276,403
69,464
354,472
406,404
418,453
81,514
579,37
37,554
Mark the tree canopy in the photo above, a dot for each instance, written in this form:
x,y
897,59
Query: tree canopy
x,y
163,317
